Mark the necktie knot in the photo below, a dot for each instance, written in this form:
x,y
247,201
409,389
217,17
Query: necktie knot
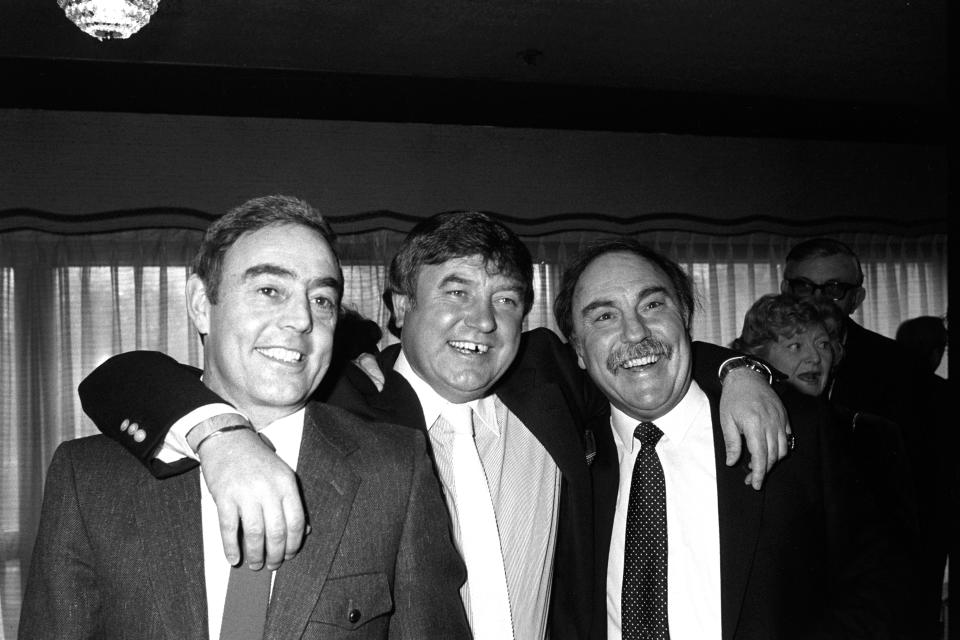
x,y
648,434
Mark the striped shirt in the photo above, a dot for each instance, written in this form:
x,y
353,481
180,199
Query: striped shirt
x,y
524,484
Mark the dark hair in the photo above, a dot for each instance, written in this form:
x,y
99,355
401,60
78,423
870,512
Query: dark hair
x,y
822,248
460,234
563,304
924,336
783,314
251,216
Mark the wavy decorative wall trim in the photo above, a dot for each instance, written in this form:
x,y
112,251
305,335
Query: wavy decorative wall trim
x,y
385,220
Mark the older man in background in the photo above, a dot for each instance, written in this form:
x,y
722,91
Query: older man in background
x,y
879,376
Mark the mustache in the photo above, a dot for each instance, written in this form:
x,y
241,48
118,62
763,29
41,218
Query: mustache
x,y
634,350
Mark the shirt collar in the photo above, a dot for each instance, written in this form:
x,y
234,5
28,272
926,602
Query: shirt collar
x,y
285,435
433,403
675,424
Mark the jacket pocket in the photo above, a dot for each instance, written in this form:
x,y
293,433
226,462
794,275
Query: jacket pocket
x,y
350,602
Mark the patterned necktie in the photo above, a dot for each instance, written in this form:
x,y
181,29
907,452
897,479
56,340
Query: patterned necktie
x,y
490,617
643,604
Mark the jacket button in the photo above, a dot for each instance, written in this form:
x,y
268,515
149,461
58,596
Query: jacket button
x,y
354,616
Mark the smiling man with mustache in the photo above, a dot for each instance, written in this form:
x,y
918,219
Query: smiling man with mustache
x,y
683,552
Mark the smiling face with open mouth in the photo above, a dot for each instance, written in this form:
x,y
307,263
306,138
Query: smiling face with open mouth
x,y
806,356
630,334
270,334
462,331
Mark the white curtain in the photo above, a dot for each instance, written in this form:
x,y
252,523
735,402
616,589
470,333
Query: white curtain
x,y
904,277
69,302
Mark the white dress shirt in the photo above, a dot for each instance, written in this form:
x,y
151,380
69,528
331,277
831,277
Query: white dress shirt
x,y
524,484
687,455
285,434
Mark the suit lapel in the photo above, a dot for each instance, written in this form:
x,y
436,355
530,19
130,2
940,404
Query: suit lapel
x,y
172,540
740,509
546,415
398,402
329,486
605,472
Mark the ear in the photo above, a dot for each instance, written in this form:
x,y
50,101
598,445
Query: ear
x,y
401,305
578,348
198,305
857,299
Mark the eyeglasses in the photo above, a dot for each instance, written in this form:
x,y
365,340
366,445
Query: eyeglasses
x,y
832,289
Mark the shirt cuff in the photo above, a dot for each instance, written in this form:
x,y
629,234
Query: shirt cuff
x,y
175,445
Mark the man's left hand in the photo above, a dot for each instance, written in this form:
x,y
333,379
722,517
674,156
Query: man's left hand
x,y
748,405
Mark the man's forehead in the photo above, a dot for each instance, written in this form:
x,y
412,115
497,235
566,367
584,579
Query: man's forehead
x,y
293,251
820,269
468,269
623,272
283,240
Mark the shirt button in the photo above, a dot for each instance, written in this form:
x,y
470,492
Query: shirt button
x,y
354,616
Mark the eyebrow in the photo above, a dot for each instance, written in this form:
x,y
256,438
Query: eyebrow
x,y
599,304
283,272
268,269
458,279
453,279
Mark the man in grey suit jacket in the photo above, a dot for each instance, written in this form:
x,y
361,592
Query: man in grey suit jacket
x,y
121,555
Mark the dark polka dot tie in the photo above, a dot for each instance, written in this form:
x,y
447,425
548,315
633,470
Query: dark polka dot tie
x,y
643,603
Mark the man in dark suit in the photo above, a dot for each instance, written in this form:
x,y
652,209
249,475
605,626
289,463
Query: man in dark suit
x,y
461,285
683,551
877,375
122,555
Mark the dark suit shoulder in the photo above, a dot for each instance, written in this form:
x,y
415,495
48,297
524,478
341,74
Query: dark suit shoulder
x,y
97,455
865,350
542,350
349,431
541,338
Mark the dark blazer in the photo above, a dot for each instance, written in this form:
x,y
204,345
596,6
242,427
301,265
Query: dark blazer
x,y
873,375
795,559
129,563
878,376
544,388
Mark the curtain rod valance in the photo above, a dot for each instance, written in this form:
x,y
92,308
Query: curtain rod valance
x,y
561,223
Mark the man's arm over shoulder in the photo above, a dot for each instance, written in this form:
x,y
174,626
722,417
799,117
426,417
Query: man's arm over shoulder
x,y
243,474
429,571
748,406
147,388
61,599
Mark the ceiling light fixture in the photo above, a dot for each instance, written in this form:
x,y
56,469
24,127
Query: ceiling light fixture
x,y
109,19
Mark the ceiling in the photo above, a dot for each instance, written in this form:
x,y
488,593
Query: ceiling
x,y
859,69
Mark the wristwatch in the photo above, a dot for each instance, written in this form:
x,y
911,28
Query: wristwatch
x,y
754,364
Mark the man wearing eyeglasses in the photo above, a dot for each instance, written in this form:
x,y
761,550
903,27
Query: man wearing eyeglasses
x,y
876,375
